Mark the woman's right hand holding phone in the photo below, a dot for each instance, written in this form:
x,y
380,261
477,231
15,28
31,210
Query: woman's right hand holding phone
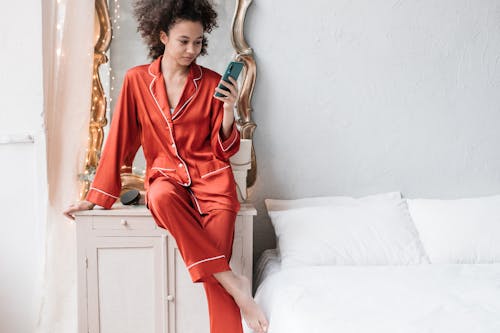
x,y
76,207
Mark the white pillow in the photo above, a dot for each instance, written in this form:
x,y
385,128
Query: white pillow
x,y
275,204
460,230
358,233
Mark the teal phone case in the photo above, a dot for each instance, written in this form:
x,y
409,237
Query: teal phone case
x,y
233,69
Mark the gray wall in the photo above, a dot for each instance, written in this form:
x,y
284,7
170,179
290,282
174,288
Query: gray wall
x,y
358,97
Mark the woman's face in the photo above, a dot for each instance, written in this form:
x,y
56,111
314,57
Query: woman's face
x,y
183,42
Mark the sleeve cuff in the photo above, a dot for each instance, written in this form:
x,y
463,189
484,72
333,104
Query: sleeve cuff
x,y
101,198
229,142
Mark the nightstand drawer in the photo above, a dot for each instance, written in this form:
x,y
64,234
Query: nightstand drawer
x,y
123,223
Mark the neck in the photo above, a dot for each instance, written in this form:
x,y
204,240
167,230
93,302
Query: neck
x,y
171,69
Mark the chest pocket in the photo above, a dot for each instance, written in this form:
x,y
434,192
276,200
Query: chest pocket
x,y
211,168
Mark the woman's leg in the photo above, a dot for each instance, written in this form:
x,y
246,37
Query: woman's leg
x,y
224,313
205,244
172,209
238,287
231,292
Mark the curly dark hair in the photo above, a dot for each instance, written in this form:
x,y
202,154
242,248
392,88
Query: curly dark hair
x,y
154,16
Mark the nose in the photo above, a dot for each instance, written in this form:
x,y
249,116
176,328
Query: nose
x,y
190,49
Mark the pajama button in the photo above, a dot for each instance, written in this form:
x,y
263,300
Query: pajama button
x,y
173,145
181,165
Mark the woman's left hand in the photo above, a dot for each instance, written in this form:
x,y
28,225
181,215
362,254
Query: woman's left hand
x,y
229,97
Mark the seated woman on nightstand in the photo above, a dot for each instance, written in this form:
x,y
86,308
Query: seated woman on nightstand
x,y
187,135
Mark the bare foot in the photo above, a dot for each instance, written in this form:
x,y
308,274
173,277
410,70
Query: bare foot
x,y
252,313
238,286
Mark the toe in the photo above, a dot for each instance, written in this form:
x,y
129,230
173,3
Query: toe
x,y
256,327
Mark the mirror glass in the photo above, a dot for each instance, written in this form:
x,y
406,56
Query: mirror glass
x,y
127,50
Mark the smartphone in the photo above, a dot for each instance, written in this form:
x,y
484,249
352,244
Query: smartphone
x,y
233,70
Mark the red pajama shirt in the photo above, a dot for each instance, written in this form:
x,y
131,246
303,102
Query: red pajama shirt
x,y
185,146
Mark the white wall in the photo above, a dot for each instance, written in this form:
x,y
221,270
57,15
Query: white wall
x,y
22,166
358,97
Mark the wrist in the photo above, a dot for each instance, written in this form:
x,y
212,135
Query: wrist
x,y
225,131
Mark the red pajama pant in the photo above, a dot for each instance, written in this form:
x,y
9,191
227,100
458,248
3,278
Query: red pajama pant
x,y
205,243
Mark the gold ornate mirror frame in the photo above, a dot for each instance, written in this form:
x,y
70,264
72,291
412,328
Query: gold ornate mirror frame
x,y
98,121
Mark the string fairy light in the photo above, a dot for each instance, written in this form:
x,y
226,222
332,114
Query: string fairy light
x,y
115,22
108,87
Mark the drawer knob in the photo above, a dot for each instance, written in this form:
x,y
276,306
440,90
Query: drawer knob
x,y
170,298
123,222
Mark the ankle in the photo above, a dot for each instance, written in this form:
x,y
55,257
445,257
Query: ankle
x,y
229,280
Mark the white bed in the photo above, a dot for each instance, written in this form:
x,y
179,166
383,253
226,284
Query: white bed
x,y
405,296
418,298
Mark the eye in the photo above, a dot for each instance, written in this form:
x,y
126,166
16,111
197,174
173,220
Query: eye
x,y
198,42
183,42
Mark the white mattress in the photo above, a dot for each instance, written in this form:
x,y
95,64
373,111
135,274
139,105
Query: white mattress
x,y
388,299
269,263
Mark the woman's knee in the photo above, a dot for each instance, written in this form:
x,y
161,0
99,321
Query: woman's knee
x,y
162,194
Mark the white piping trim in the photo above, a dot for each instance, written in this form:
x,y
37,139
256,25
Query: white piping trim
x,y
98,190
215,171
199,262
163,173
196,201
201,73
182,107
230,145
190,98
166,169
168,124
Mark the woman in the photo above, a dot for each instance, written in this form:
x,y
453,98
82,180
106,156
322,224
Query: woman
x,y
187,135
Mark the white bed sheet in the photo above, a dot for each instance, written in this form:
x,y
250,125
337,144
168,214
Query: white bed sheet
x,y
389,299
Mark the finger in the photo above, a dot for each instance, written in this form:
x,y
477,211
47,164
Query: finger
x,y
68,215
233,81
227,98
225,83
222,99
235,84
229,86
225,93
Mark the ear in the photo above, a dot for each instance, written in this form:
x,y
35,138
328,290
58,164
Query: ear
x,y
163,37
